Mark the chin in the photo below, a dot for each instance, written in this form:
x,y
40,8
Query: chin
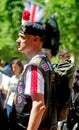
x,y
19,50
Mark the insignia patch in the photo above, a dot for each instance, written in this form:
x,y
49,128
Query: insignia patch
x,y
24,28
20,89
19,99
45,67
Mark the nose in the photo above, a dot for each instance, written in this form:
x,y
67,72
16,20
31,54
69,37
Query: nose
x,y
18,40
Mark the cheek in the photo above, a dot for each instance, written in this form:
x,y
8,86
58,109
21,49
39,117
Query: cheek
x,y
23,46
27,44
16,71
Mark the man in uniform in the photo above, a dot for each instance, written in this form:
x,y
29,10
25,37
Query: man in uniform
x,y
31,105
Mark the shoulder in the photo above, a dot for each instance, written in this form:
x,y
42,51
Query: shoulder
x,y
13,79
41,61
36,60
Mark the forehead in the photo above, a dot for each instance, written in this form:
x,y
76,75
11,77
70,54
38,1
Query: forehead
x,y
25,35
22,35
14,65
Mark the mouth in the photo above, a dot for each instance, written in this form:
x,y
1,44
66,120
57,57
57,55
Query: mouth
x,y
18,45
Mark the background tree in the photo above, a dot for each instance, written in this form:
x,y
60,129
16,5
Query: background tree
x,y
10,18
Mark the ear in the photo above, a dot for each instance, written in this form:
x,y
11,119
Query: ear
x,y
36,38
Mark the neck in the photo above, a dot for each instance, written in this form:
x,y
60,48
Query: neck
x,y
32,54
17,76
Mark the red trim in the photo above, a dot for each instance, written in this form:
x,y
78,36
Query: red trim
x,y
34,78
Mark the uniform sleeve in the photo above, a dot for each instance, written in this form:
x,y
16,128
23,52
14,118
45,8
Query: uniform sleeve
x,y
34,81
